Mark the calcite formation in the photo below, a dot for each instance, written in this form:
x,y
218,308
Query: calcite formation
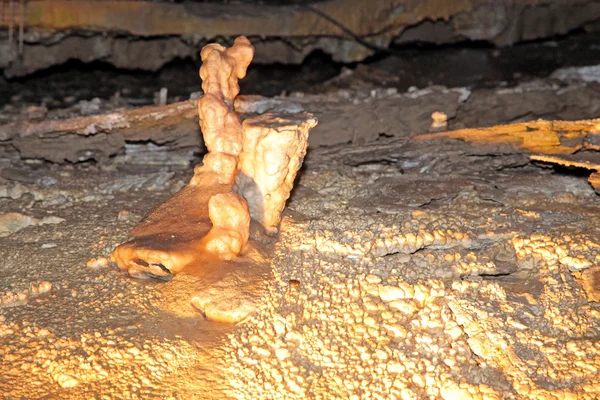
x,y
544,137
456,301
210,218
274,148
221,126
404,273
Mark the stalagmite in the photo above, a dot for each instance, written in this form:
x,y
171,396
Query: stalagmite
x,y
273,150
249,171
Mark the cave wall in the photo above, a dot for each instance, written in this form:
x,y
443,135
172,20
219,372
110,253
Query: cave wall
x,y
147,35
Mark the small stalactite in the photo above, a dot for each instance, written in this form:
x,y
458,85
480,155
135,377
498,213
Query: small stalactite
x,y
12,16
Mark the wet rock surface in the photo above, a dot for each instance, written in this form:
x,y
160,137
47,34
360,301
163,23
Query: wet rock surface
x,y
431,273
464,297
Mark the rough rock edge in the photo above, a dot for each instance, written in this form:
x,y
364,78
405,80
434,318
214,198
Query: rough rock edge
x,y
178,30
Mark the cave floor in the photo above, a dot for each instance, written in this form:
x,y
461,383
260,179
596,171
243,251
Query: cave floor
x,y
438,270
387,283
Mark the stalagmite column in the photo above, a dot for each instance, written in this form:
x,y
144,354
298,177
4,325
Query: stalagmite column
x,y
221,126
208,217
222,131
273,150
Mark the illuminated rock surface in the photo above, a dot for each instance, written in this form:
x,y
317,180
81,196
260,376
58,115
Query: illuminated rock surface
x,y
425,274
458,298
207,224
205,219
273,151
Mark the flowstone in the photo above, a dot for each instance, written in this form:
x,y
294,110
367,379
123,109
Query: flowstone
x,y
273,150
249,171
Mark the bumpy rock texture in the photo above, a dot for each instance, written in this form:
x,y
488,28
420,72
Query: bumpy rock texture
x,y
165,242
207,219
404,270
474,294
273,150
